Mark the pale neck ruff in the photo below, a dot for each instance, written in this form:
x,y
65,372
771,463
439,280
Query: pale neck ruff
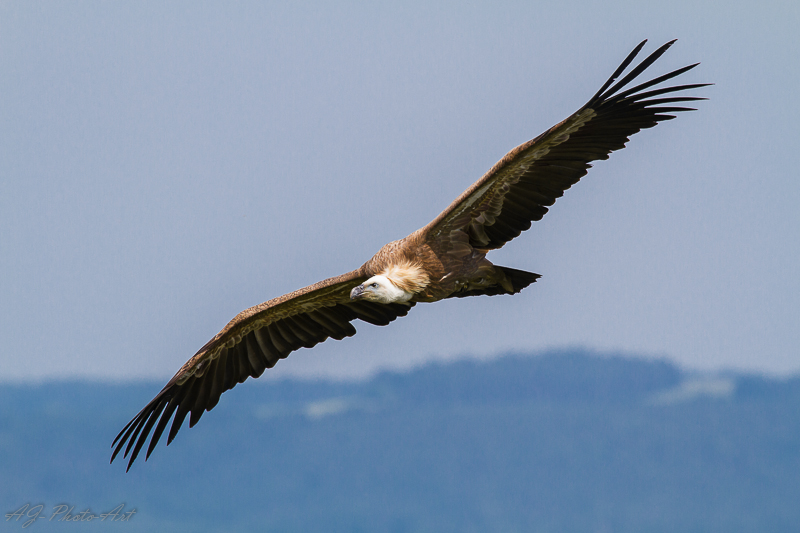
x,y
390,293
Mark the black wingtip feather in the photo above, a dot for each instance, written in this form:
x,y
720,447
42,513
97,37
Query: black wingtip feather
x,y
620,69
146,430
654,81
183,410
162,424
641,67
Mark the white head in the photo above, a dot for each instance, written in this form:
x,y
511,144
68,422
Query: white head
x,y
380,289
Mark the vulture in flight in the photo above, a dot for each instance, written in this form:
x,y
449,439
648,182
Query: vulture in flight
x,y
445,259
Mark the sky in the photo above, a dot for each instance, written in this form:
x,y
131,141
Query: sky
x,y
164,166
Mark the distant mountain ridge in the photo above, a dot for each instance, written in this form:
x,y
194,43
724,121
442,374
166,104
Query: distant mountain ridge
x,y
562,441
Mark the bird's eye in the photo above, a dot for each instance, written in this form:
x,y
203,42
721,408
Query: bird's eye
x,y
373,285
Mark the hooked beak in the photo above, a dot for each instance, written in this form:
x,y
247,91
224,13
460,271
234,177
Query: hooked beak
x,y
357,292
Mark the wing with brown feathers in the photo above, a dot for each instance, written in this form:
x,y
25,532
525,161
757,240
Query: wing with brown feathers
x,y
521,186
252,342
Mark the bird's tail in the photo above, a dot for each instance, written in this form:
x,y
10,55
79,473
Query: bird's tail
x,y
518,279
509,281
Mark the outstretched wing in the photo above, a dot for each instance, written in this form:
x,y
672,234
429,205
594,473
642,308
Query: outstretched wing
x,y
253,341
521,186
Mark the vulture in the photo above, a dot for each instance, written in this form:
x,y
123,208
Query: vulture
x,y
444,259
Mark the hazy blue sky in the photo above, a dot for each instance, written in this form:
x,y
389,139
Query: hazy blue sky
x,y
165,165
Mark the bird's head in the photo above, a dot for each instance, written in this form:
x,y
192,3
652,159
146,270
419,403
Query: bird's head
x,y
380,289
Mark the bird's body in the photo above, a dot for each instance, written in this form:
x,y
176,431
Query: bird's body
x,y
425,271
444,259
